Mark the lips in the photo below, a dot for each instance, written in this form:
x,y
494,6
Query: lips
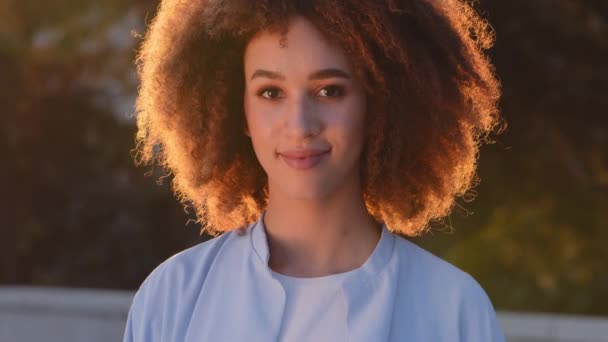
x,y
303,159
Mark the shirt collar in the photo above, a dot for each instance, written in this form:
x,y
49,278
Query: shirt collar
x,y
372,266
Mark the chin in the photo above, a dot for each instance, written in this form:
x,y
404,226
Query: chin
x,y
307,191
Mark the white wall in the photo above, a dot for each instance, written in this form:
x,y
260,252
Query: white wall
x,y
70,315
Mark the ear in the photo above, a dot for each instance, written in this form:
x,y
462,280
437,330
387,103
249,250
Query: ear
x,y
246,131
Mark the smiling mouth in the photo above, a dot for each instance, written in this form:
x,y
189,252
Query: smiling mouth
x,y
304,160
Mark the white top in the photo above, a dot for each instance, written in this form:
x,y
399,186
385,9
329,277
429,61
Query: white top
x,y
314,308
223,290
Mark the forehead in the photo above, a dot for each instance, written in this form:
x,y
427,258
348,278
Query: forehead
x,y
301,49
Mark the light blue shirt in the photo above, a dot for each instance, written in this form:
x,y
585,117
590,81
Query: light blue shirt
x,y
223,290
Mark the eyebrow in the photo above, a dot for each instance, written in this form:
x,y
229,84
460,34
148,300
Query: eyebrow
x,y
317,75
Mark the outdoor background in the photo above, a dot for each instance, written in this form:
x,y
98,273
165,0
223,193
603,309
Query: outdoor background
x,y
76,212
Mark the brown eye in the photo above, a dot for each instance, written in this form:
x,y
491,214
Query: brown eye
x,y
331,91
270,93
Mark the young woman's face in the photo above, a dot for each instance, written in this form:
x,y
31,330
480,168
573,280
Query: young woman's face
x,y
304,112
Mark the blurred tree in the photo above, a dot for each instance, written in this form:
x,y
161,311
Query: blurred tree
x,y
536,239
78,213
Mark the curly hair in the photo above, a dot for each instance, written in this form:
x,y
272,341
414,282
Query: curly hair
x,y
432,100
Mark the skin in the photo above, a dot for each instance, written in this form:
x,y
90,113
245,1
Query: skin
x,y
316,220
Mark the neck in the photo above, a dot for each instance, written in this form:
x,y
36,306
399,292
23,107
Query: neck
x,y
317,238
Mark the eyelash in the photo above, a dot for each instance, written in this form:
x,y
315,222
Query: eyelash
x,y
338,88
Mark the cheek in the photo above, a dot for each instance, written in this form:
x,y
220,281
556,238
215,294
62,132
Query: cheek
x,y
260,127
252,117
357,122
248,111
260,116
350,124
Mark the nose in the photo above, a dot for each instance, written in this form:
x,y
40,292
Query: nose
x,y
301,119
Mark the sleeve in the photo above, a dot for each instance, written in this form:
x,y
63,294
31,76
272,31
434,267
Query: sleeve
x,y
478,321
133,325
139,326
128,334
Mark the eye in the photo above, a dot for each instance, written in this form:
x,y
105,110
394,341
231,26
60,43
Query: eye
x,y
270,93
331,91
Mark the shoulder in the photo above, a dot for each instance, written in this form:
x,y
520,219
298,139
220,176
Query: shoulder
x,y
186,271
190,264
437,289
173,288
437,280
431,270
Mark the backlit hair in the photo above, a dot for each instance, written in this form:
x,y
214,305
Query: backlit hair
x,y
432,100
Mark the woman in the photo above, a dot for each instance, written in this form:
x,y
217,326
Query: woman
x,y
311,133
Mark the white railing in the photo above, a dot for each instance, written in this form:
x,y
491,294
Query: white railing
x,y
528,327
70,315
62,314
